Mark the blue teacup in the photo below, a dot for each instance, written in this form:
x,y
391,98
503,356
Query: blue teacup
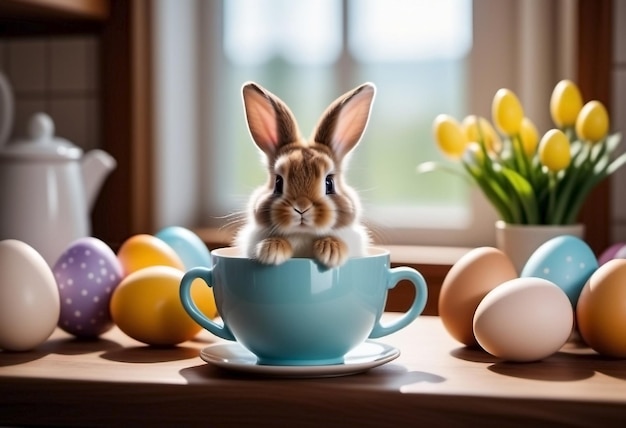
x,y
300,312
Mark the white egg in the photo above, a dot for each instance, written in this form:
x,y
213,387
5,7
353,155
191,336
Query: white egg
x,y
29,298
524,319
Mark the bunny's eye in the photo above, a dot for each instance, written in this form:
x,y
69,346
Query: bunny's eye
x,y
278,185
330,184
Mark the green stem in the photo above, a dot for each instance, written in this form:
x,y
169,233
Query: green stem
x,y
495,195
552,197
568,183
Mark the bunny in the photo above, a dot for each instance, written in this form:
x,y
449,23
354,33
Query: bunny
x,y
305,209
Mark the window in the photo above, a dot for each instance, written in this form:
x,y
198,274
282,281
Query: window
x,y
425,58
308,53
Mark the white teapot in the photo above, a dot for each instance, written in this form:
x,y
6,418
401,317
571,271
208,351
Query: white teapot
x,y
47,188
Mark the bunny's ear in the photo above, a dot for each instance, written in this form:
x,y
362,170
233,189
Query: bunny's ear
x,y
270,121
342,125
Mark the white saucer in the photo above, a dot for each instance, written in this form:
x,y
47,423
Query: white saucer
x,y
233,356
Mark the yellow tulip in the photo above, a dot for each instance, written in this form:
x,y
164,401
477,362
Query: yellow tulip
x,y
529,135
449,136
473,154
554,150
507,112
565,103
592,123
478,128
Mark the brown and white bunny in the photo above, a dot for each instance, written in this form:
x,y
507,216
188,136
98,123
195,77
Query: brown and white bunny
x,y
305,209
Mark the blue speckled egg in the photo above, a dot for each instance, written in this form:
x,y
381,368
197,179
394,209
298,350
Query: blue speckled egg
x,y
565,260
187,245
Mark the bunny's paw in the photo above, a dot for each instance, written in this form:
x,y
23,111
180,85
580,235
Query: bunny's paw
x,y
330,251
273,251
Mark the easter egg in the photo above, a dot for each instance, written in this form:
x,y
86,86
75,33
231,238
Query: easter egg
x,y
147,307
566,261
29,299
615,251
601,310
140,251
524,319
189,247
86,274
475,274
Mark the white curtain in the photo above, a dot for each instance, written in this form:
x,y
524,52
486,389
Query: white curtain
x,y
536,47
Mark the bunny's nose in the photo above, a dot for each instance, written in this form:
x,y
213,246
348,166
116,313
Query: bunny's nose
x,y
302,205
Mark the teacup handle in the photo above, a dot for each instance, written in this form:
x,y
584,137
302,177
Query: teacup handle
x,y
192,309
417,307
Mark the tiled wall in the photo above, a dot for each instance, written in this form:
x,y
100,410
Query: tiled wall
x,y
58,76
619,116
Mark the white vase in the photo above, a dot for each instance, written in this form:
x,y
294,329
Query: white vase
x,y
519,241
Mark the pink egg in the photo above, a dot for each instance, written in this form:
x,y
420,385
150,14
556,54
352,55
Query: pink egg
x,y
86,274
613,252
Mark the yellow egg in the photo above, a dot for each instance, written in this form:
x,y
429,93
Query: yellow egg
x,y
468,281
141,251
146,306
601,309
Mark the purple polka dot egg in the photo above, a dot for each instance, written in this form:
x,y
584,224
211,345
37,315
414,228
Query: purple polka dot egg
x,y
86,274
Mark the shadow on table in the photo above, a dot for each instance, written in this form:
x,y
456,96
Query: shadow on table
x,y
63,346
392,376
574,362
473,354
150,354
554,369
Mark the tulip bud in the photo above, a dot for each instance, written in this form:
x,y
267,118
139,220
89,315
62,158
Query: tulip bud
x,y
477,129
592,123
507,112
529,135
554,150
473,155
565,103
449,137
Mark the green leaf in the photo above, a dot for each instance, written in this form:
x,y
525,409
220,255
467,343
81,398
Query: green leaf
x,y
427,167
524,193
494,193
616,164
612,142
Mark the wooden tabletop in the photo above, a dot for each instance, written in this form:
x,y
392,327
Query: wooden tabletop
x,y
116,381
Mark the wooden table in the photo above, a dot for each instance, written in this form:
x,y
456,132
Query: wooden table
x,y
117,381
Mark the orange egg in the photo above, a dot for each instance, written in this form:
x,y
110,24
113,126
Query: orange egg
x,y
468,281
601,309
147,307
140,251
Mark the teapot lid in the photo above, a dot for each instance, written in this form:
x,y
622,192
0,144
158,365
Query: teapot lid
x,y
41,144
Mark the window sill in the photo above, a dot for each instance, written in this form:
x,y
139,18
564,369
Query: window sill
x,y
431,261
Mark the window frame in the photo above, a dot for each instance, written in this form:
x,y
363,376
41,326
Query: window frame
x,y
128,203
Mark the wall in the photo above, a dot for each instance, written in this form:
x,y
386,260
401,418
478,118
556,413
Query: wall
x,y
619,116
58,76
